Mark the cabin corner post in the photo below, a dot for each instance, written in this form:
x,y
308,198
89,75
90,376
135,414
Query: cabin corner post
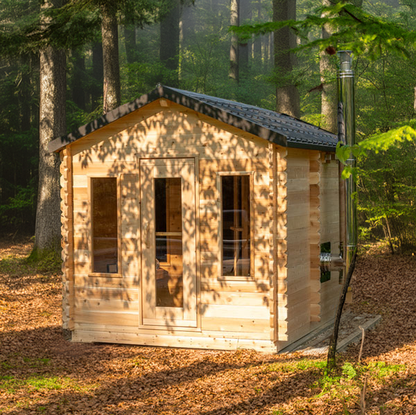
x,y
315,166
67,243
281,244
272,213
346,135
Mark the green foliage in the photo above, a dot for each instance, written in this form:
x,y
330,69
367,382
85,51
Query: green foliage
x,y
47,260
19,211
11,384
381,370
384,141
353,29
336,384
349,379
303,364
72,25
388,192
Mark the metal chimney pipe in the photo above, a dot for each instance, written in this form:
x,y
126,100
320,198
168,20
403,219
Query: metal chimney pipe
x,y
346,134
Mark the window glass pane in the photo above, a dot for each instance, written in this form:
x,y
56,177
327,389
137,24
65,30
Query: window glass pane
x,y
236,225
169,264
104,225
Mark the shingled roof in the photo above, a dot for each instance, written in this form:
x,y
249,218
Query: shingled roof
x,y
278,128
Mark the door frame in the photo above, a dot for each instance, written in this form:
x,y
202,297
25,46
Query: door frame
x,y
158,324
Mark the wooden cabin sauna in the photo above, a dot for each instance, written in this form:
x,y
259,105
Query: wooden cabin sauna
x,y
193,221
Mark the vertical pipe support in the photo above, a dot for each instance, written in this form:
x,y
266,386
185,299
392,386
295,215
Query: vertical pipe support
x,y
346,134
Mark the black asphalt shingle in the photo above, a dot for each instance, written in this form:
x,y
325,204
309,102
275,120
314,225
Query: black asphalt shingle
x,y
278,128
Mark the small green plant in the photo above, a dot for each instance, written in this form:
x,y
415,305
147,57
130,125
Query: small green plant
x,y
303,364
48,383
336,384
5,365
11,384
349,371
38,362
381,370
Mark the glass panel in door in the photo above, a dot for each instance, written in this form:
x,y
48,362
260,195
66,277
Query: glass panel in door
x,y
168,242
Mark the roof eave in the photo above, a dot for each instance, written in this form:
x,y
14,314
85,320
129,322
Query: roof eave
x,y
311,146
61,142
188,102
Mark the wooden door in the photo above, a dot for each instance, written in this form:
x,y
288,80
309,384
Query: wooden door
x,y
168,242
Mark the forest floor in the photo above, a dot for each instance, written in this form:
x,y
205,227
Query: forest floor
x,y
41,372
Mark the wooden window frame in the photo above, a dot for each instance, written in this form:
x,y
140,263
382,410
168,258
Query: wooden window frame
x,y
117,274
220,175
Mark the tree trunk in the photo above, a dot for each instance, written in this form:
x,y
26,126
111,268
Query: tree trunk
x,y
169,41
244,48
25,92
287,95
257,40
234,21
329,85
78,78
51,125
130,42
97,73
332,347
109,30
187,25
130,33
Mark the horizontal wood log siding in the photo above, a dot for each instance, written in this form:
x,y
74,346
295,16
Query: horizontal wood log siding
x,y
315,167
232,313
297,313
330,290
311,188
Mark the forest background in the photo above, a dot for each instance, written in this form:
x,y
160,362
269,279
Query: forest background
x,y
189,45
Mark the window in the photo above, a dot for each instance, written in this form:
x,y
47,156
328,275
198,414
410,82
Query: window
x,y
104,225
325,258
235,224
169,259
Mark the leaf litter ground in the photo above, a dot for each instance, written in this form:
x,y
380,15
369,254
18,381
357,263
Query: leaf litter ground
x,y
41,372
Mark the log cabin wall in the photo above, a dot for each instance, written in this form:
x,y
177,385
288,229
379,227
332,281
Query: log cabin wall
x,y
329,202
233,312
308,215
296,311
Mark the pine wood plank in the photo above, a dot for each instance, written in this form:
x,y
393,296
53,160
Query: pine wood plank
x,y
219,343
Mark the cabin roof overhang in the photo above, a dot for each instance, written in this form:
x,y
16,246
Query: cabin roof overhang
x,y
277,128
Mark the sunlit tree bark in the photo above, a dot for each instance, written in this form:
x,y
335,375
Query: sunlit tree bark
x,y
51,125
109,30
234,21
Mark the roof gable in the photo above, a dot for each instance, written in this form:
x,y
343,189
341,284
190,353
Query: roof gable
x,y
278,128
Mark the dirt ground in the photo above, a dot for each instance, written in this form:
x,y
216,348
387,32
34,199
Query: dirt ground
x,y
41,372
